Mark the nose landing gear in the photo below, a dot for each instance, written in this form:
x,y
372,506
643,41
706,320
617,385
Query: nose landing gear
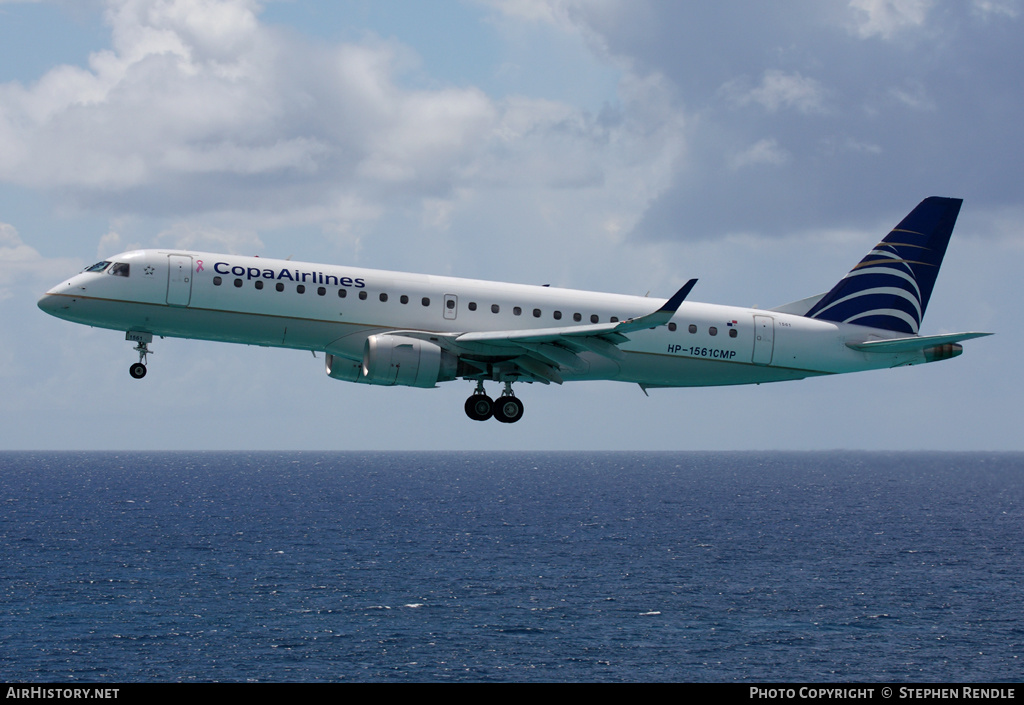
x,y
138,370
507,409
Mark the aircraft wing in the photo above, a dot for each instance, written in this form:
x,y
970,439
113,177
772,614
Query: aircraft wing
x,y
540,352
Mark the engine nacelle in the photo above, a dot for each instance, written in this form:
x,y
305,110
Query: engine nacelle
x,y
344,369
410,362
392,360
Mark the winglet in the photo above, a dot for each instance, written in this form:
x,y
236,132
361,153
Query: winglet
x,y
672,305
660,317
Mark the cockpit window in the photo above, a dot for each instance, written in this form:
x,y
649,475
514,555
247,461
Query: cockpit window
x,y
98,267
120,269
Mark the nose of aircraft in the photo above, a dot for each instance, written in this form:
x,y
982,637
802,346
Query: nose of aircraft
x,y
49,302
53,302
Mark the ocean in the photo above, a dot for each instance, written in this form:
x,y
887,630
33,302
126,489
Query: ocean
x,y
511,567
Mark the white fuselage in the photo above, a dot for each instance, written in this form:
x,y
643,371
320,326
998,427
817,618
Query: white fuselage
x,y
334,309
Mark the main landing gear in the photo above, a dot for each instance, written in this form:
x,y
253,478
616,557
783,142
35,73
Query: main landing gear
x,y
507,409
138,370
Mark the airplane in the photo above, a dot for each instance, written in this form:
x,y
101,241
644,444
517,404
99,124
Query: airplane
x,y
418,330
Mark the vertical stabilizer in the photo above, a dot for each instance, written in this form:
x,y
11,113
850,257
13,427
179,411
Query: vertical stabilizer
x,y
891,286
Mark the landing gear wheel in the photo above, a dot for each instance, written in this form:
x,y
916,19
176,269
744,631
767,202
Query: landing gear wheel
x,y
508,409
138,370
479,407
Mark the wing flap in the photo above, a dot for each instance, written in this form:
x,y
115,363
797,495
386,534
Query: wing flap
x,y
555,354
541,371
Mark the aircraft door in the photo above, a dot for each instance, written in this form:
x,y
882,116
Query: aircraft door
x,y
451,306
764,340
179,280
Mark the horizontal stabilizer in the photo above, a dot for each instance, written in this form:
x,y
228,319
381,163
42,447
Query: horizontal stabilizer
x,y
901,345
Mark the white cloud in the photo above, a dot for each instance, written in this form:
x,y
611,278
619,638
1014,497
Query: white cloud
x,y
550,11
197,236
196,87
198,108
763,152
913,96
21,264
779,90
201,30
887,18
997,8
834,146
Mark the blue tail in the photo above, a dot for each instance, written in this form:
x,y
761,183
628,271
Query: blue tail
x,y
890,287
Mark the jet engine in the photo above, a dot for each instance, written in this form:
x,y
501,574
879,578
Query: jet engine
x,y
344,369
393,360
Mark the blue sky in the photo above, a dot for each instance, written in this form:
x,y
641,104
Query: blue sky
x,y
600,144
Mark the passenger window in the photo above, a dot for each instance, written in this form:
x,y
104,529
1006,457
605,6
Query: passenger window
x,y
119,269
614,319
558,315
321,291
472,305
450,303
733,333
238,283
517,311
594,318
362,296
577,317
495,308
217,281
300,289
713,331
536,313
383,297
404,299
280,286
692,328
342,293
426,301
672,327
259,284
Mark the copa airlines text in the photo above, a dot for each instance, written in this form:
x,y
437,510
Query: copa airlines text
x,y
393,328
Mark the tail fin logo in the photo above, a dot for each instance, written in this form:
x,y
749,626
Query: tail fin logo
x,y
890,287
882,286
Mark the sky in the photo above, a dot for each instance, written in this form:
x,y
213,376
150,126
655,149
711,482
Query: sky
x,y
614,145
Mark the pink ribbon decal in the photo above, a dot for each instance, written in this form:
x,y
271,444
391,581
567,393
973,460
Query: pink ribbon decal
x,y
199,265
